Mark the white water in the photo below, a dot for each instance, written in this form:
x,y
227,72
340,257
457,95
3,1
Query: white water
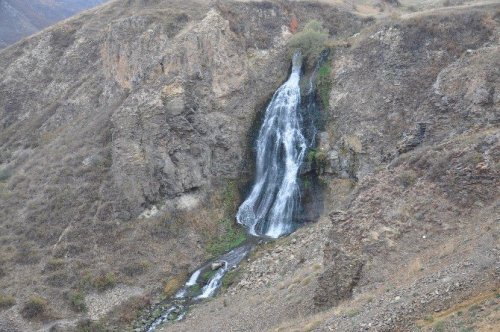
x,y
194,278
191,282
270,207
163,318
213,285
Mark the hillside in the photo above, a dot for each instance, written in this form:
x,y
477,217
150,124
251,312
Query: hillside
x,y
127,144
21,18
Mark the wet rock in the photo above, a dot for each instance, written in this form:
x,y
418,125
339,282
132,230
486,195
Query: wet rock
x,y
216,265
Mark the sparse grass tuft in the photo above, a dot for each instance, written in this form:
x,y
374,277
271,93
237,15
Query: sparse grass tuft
x,y
353,312
6,301
172,285
54,264
475,307
105,281
77,301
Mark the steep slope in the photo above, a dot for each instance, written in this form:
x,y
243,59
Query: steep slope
x,y
125,137
411,167
21,18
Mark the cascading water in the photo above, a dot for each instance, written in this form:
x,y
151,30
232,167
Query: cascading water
x,y
281,146
272,206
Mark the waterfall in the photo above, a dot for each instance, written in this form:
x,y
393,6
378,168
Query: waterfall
x,y
273,200
273,203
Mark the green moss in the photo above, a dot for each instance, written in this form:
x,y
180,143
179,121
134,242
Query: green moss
x,y
230,278
233,236
205,277
194,290
324,84
318,159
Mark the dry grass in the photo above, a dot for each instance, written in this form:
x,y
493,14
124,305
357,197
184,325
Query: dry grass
x,y
173,284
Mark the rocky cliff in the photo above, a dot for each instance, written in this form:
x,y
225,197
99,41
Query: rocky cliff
x,y
126,138
122,129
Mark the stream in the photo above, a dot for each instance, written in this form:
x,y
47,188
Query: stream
x,y
270,210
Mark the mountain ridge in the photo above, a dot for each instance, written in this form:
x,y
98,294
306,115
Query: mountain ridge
x,y
21,18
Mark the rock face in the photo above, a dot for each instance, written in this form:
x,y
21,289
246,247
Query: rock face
x,y
342,272
402,67
426,118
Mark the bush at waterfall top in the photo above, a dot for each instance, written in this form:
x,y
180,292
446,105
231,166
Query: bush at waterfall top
x,y
311,40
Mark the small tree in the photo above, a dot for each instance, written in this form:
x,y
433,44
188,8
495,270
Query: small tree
x,y
312,40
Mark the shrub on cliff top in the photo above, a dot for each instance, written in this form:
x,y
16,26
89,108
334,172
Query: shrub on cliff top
x,y
312,39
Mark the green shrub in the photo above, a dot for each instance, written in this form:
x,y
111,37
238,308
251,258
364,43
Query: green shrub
x,y
194,290
104,281
77,301
35,308
311,40
318,159
6,301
